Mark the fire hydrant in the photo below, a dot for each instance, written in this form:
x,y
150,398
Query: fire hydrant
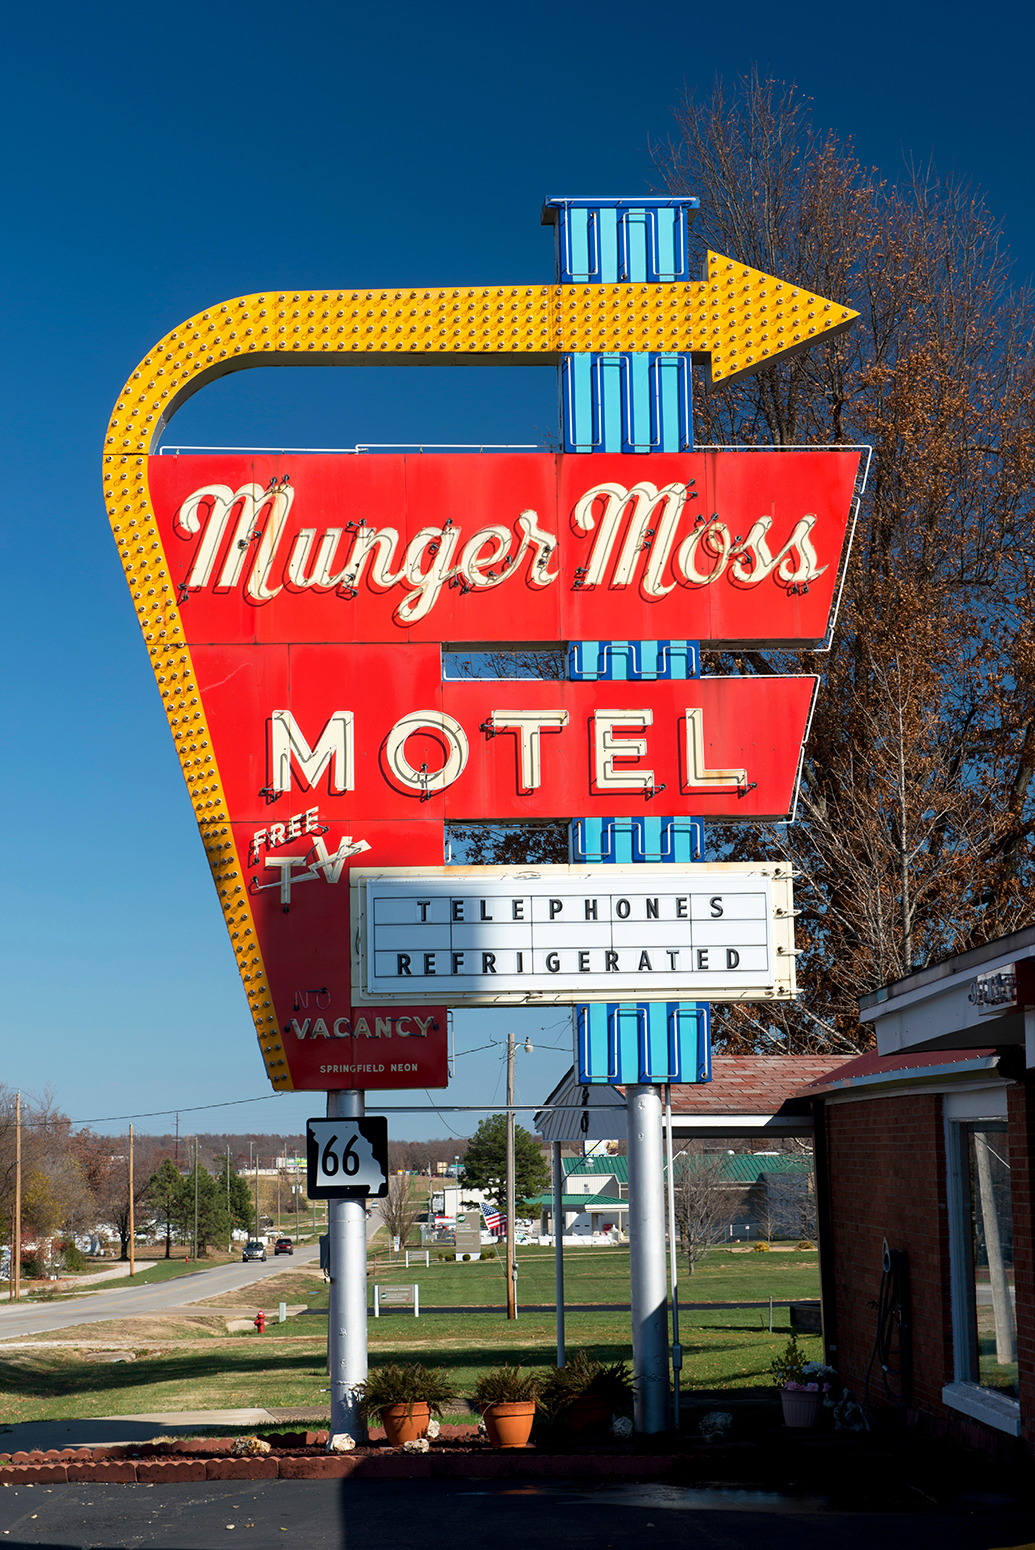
x,y
260,1322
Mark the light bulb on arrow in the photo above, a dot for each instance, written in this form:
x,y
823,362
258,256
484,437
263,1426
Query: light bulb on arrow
x,y
734,321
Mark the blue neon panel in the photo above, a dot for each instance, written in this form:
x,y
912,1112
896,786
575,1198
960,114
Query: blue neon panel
x,y
639,433
646,1041
666,250
608,228
636,249
625,1029
609,403
578,244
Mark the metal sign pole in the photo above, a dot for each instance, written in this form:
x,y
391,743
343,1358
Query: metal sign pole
x,y
511,1287
677,1349
558,1246
347,1314
647,1259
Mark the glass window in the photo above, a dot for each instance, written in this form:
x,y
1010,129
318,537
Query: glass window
x,y
989,1338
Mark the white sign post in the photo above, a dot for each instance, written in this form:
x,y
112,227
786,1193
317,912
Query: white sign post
x,y
501,935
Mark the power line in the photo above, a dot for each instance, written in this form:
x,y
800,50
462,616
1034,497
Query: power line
x,y
105,1119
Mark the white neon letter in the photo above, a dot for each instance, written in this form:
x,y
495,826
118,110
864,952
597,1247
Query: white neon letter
x,y
528,724
607,748
451,733
698,778
335,747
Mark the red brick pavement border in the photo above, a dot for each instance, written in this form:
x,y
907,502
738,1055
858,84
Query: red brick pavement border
x,y
118,1465
242,1469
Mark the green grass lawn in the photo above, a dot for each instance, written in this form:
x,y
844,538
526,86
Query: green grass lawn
x,y
602,1275
725,1348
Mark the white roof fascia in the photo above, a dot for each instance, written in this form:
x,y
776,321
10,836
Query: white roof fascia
x,y
942,987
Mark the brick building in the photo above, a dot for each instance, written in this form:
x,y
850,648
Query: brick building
x,y
923,1165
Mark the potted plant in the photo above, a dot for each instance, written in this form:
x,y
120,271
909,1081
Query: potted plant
x,y
803,1385
506,1397
404,1398
586,1392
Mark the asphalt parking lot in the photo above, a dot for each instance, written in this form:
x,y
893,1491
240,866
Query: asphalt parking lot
x,y
353,1515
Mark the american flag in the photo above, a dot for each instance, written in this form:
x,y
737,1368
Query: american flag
x,y
493,1220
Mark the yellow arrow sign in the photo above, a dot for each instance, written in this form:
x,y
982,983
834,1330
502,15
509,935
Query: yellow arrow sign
x,y
735,321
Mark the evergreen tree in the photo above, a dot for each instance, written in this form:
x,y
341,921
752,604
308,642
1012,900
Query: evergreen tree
x,y
242,1211
485,1161
163,1193
200,1210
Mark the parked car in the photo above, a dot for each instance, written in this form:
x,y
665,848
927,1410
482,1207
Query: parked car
x,y
283,1246
253,1249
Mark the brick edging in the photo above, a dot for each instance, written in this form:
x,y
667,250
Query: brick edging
x,y
331,1466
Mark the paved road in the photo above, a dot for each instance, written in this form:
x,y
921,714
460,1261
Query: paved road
x,y
22,1319
408,1514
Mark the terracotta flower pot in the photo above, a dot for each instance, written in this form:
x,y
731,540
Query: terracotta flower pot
x,y
589,1415
405,1423
801,1407
509,1424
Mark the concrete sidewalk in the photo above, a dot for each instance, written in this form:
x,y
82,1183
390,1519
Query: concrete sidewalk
x,y
127,1429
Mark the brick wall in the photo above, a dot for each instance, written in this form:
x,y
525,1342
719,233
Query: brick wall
x,y
886,1162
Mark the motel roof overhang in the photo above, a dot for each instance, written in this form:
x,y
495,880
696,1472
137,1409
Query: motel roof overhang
x,y
750,1097
933,1009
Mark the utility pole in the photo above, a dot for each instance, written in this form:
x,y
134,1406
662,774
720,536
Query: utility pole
x,y
16,1244
511,1263
511,1288
251,1143
229,1218
195,1198
132,1219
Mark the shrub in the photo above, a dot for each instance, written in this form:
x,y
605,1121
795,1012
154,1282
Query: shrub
x,y
506,1385
413,1384
760,1248
788,1367
805,1244
33,1268
74,1260
584,1374
487,1254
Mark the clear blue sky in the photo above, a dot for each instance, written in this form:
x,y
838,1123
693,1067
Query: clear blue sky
x,y
159,161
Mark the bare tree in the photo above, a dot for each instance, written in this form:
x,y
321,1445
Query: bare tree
x,y
915,826
700,1204
55,1193
104,1161
791,1206
399,1207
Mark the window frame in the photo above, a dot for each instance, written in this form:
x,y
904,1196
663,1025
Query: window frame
x,y
960,1110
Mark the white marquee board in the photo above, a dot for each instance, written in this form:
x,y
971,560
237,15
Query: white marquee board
x,y
484,936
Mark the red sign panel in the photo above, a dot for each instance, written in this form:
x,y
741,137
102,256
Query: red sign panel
x,y
718,546
314,593
298,893
372,733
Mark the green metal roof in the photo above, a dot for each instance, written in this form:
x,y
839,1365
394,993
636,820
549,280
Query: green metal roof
x,y
580,1202
737,1168
618,1166
746,1167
